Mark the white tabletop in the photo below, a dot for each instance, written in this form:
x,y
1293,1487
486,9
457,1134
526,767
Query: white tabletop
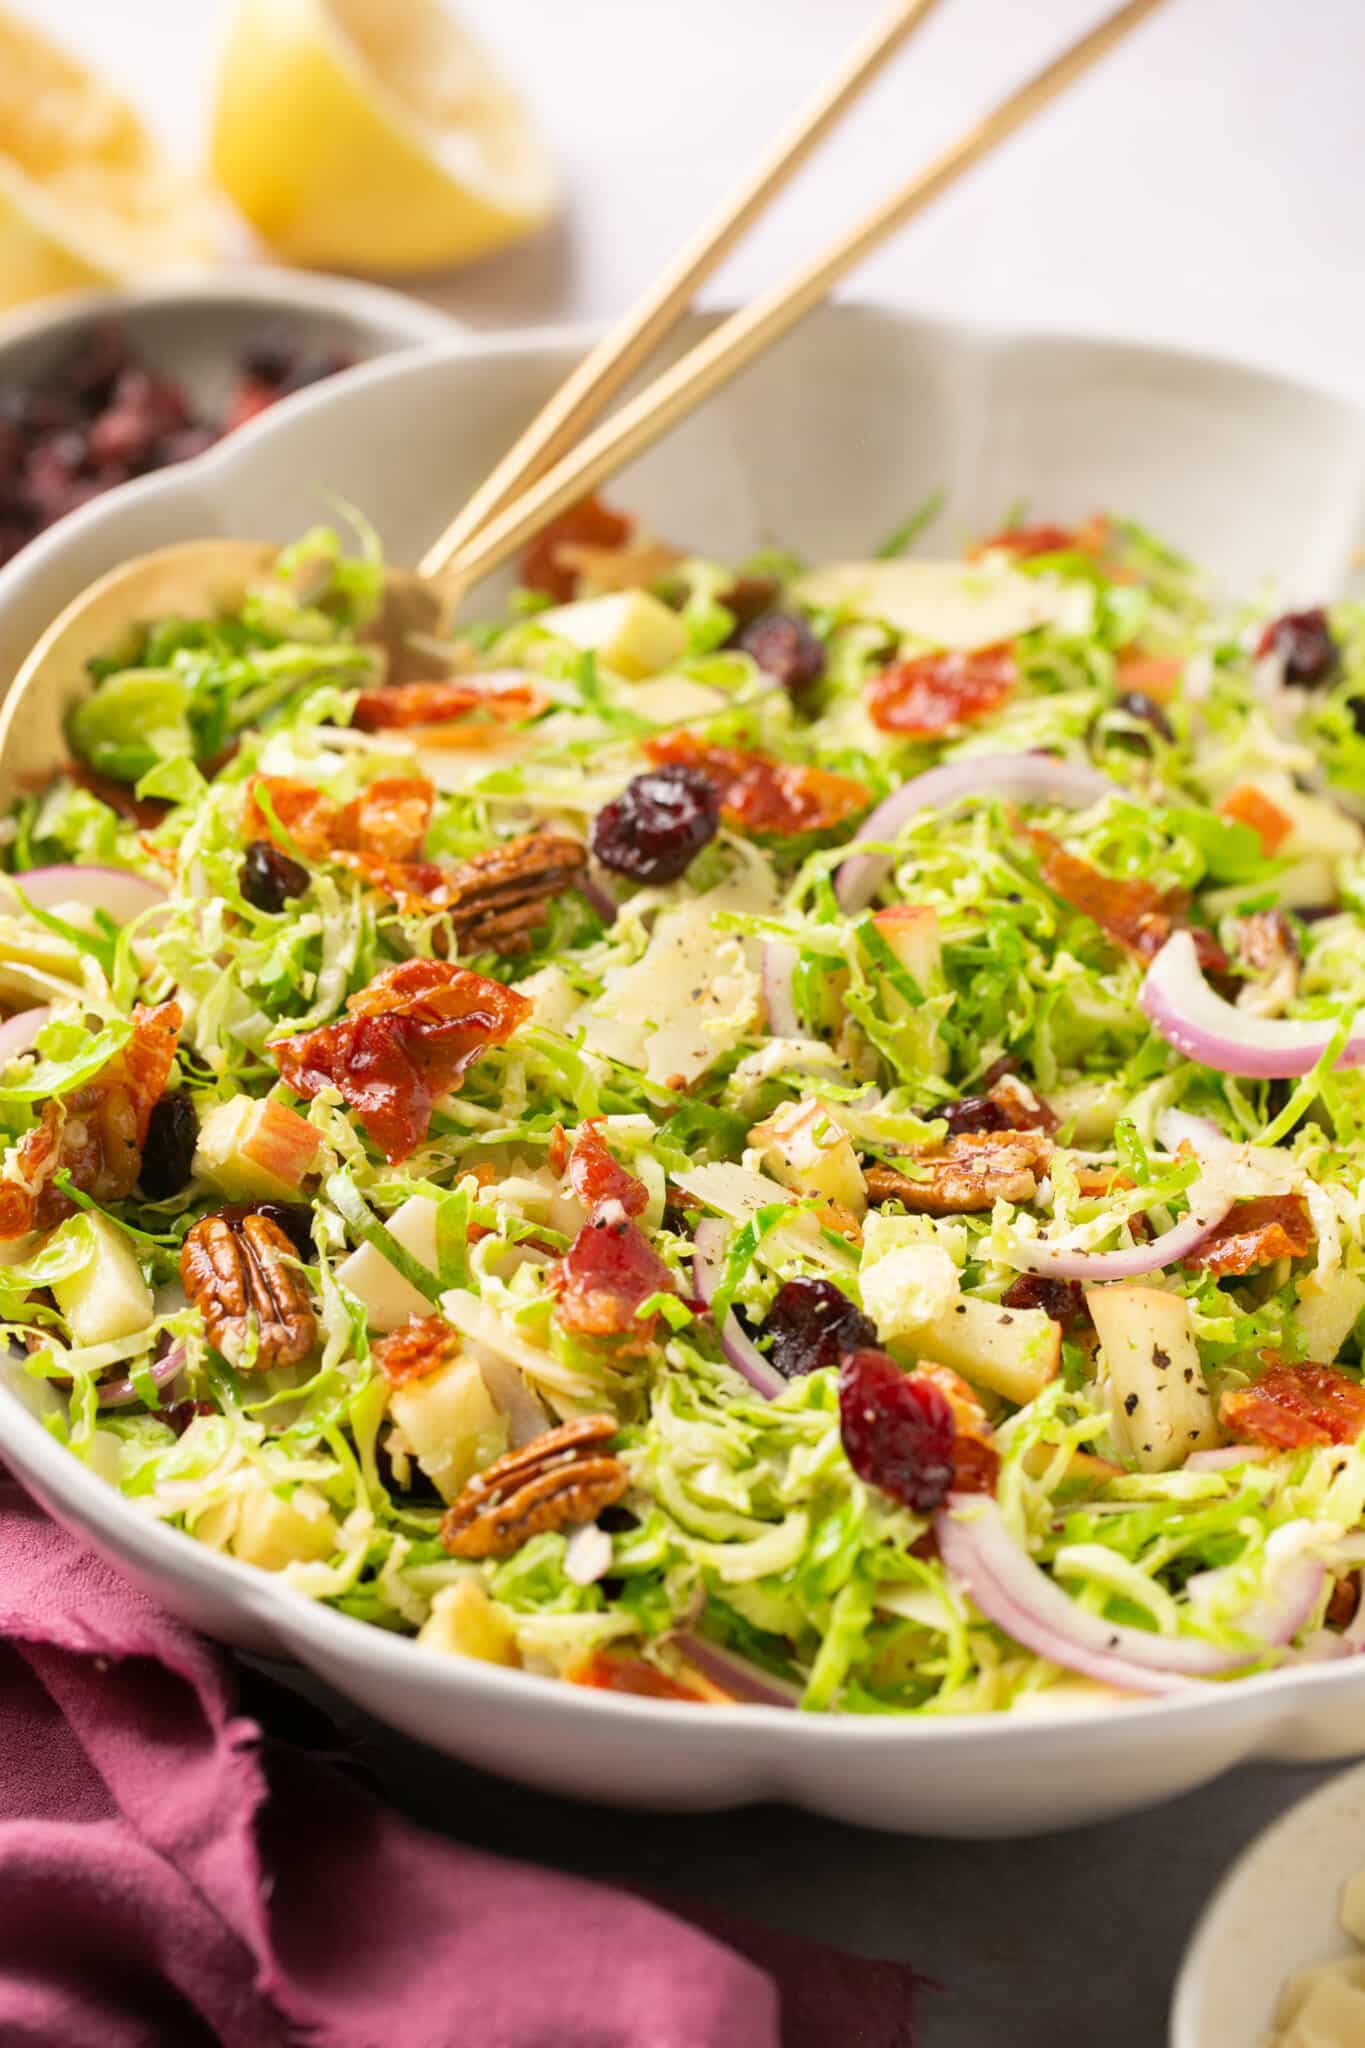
x,y
1204,187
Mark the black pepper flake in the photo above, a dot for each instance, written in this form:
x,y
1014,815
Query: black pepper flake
x,y
1005,1319
1130,1405
1160,1359
1189,1375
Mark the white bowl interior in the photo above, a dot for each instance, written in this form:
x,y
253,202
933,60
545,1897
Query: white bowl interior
x,y
825,445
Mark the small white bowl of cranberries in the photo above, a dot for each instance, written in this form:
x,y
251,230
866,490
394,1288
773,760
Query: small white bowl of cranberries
x,y
97,388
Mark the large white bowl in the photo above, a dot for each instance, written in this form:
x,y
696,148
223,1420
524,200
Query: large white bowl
x,y
827,444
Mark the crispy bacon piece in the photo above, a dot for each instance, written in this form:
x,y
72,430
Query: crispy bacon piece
x,y
410,1038
618,1671
97,1132
967,1174
590,523
597,1177
1256,1233
421,1346
1133,913
1023,542
1156,675
761,794
303,814
388,820
1293,1406
931,693
609,1270
1247,805
442,702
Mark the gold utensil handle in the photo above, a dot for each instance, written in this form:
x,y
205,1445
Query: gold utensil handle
x,y
620,353
733,345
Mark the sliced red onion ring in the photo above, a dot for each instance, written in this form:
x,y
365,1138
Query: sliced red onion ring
x,y
1033,778
598,897
1224,1456
121,894
708,1263
779,965
736,1675
1196,1021
1353,1635
507,1388
1170,1249
18,1034
587,1555
120,1393
1014,1593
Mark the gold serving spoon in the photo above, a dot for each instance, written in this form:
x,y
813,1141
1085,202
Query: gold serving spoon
x,y
207,578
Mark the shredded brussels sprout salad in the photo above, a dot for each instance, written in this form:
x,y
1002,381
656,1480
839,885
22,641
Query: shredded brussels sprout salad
x,y
481,1145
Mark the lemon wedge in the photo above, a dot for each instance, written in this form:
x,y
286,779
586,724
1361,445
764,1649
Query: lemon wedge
x,y
85,195
372,135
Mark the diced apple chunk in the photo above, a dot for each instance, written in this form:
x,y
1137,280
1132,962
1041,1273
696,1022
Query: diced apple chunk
x,y
464,1622
631,632
911,930
449,1422
108,1298
1160,1405
271,1532
1014,1352
389,1299
806,1148
254,1151
1328,1310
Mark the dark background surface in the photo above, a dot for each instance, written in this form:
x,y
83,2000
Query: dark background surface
x,y
1023,1935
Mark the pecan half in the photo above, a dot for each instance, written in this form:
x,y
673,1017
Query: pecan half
x,y
497,899
968,1173
565,1476
239,1270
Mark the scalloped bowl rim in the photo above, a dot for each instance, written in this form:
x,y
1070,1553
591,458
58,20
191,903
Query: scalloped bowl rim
x,y
1255,1710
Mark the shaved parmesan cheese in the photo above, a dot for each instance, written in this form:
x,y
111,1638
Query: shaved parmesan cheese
x,y
731,1190
668,700
692,996
947,604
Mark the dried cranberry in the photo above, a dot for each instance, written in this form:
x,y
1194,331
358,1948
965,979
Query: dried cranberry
x,y
268,878
1304,642
898,1431
168,1155
94,366
269,355
181,1414
785,648
1063,1300
295,1221
658,825
973,1113
811,1324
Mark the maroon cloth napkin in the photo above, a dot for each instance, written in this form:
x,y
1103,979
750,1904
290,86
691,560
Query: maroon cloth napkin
x,y
172,1878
